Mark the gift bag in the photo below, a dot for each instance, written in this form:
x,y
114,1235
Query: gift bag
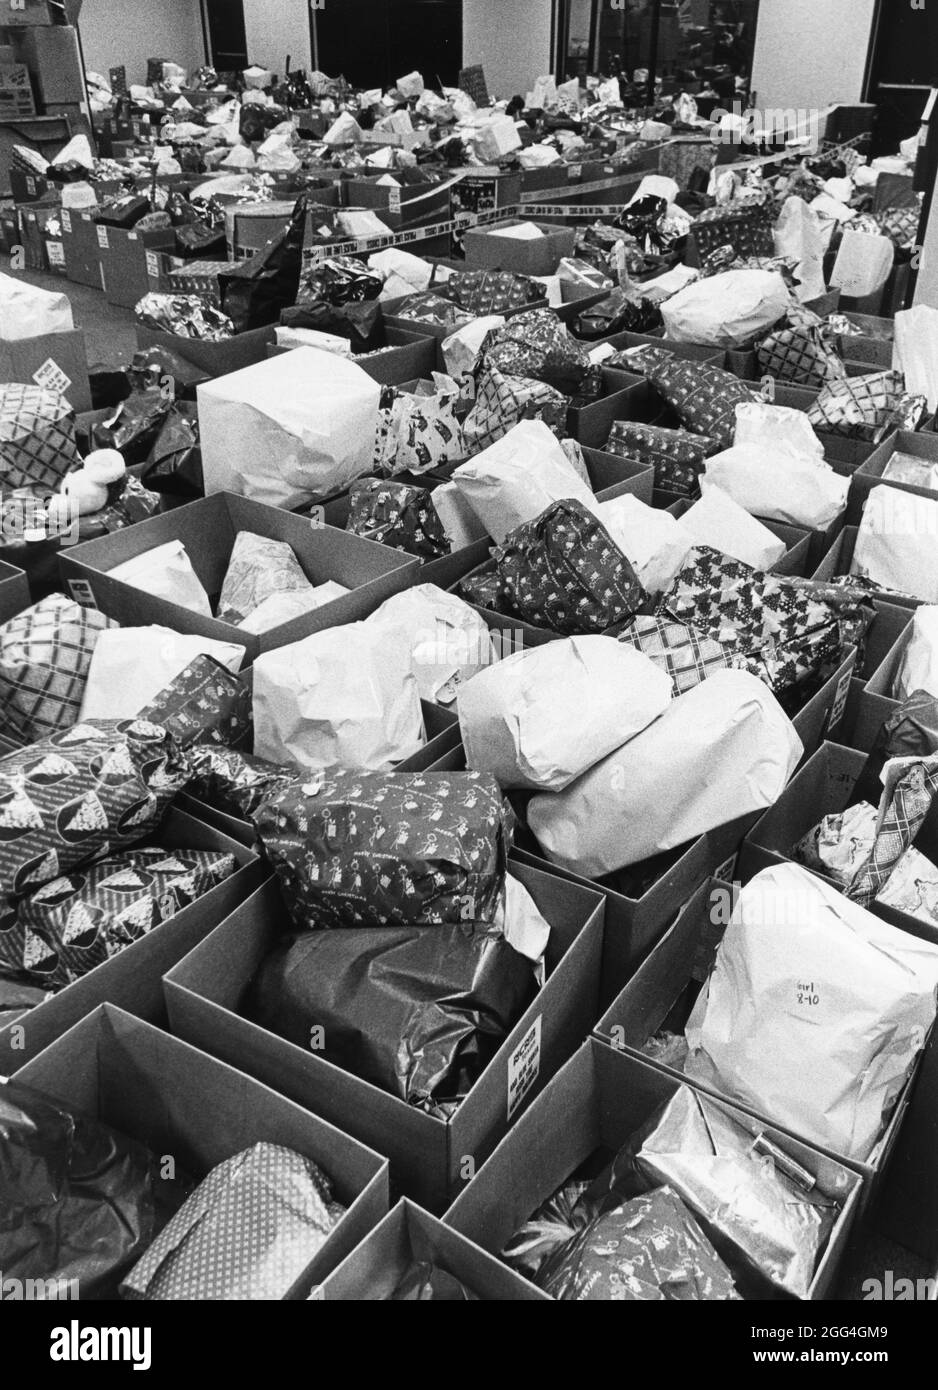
x,y
130,666
45,657
397,515
37,437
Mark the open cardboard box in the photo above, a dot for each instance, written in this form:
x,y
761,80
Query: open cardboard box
x,y
486,249
595,1104
207,528
59,359
838,561
430,1158
80,244
864,717
409,1236
412,356
127,260
883,679
14,591
133,978
217,359
183,1104
686,352
662,994
922,445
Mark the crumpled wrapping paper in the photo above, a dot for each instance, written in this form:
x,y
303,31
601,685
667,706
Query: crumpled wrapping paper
x,y
234,782
678,456
372,849
840,844
75,923
131,666
729,749
81,1201
96,786
449,641
815,1011
705,397
166,572
205,703
502,400
37,437
247,1232
46,653
541,718
259,567
185,316
536,345
397,515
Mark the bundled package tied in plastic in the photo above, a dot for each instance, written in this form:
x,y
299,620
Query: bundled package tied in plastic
x,y
721,751
815,1011
289,430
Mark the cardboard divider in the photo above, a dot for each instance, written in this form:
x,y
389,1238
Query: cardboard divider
x,y
537,256
207,528
413,357
864,717
184,1104
882,681
128,259
921,444
132,979
819,541
596,1103
408,1236
687,352
82,252
217,359
430,1158
888,625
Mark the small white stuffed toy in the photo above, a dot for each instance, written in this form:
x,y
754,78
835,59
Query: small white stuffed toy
x,y
87,488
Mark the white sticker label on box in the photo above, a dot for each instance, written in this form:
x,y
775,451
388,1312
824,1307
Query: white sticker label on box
x,y
840,700
81,592
394,200
102,238
51,377
574,172
56,252
66,220
524,1065
153,265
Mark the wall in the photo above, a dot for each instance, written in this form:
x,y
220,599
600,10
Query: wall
x,y
811,53
511,39
275,28
131,31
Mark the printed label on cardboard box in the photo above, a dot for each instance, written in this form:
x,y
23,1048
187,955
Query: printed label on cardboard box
x,y
51,377
574,172
103,238
523,1066
56,252
394,200
82,593
153,265
840,700
66,220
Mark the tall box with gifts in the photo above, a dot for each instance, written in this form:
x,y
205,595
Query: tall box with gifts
x,y
130,262
82,248
529,248
55,361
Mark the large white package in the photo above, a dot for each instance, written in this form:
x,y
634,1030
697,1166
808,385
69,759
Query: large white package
x,y
416,271
165,572
496,136
777,427
458,518
517,477
814,1012
774,483
77,151
864,263
449,641
897,543
410,85
918,668
343,698
726,310
719,522
722,750
798,234
314,338
135,664
655,186
655,544
542,717
290,429
27,311
915,351
344,130
279,608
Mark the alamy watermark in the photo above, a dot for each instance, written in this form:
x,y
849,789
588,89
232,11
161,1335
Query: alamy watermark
x,y
37,1290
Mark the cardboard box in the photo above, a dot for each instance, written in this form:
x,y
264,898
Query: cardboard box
x,y
686,352
599,1099
217,359
664,990
888,625
908,1206
52,56
29,12
180,1102
591,424
14,591
207,529
430,1158
921,445
16,93
883,679
874,345
839,559
56,360
29,188
407,1236
132,978
412,357
82,250
864,717
407,205
540,256
42,251
130,265
485,187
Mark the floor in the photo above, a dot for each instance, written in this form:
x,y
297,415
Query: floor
x,y
109,331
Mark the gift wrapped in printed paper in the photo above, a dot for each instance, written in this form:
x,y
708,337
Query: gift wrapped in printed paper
x,y
840,844
397,515
705,397
623,311
419,430
258,568
80,1201
381,849
687,655
538,346
45,655
80,920
248,1232
205,703
866,407
502,401
483,292
37,437
800,355
431,308
17,998
678,456
234,782
99,785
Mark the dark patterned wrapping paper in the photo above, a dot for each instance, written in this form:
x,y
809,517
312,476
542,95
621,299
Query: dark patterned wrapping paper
x,y
564,571
431,308
678,457
745,225
94,789
687,655
37,437
705,397
77,922
45,653
502,401
418,1011
258,568
204,704
801,356
233,782
418,431
484,292
861,407
538,346
376,849
622,311
398,515
248,1231
484,587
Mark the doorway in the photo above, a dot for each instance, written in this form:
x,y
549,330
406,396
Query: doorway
x,y
226,33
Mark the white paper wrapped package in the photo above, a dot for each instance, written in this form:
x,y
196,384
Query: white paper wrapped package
x,y
132,665
915,351
720,751
801,491
798,234
343,698
863,263
897,543
719,522
165,572
290,429
458,517
726,310
518,477
541,718
461,349
28,312
814,1012
654,542
778,427
918,668
449,641
280,608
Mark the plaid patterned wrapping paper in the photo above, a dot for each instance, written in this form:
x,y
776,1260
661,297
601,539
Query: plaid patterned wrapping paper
x,y
376,849
398,515
679,457
907,799
258,568
564,571
37,437
705,397
800,355
538,346
204,704
687,655
859,407
77,922
95,788
45,653
502,401
248,1231
415,432
483,292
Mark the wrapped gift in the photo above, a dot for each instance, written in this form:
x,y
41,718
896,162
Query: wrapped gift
x,y
726,310
184,316
677,455
482,292
688,656
449,641
376,849
895,545
918,666
434,310
841,844
234,782
501,401
37,437
131,666
800,356
419,430
771,482
860,407
705,397
397,515
722,524
538,346
45,655
205,703
653,541
165,572
744,224
912,888
259,567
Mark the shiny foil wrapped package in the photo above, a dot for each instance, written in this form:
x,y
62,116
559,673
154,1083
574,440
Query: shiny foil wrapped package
x,y
258,568
380,849
248,1232
185,316
234,782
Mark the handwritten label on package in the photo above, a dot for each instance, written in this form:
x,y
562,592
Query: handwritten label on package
x,y
66,221
56,252
51,377
524,1064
